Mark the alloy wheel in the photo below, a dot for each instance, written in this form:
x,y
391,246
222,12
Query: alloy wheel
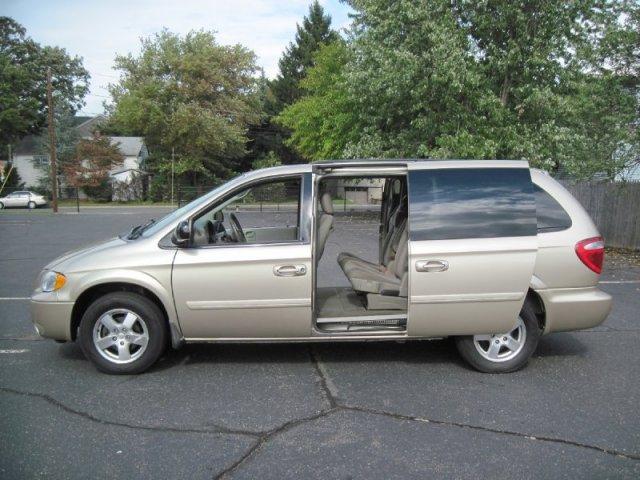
x,y
501,347
120,336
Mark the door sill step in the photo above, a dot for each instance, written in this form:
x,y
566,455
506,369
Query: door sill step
x,y
382,324
400,318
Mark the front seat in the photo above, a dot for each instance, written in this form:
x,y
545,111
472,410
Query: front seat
x,y
325,223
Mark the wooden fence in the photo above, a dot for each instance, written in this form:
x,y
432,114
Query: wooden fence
x,y
615,208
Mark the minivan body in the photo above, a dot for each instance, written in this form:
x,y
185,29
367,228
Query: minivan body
x,y
490,252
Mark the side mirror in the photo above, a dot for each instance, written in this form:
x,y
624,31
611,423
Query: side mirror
x,y
218,216
182,234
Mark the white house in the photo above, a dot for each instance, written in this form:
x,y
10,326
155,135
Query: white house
x,y
27,160
126,176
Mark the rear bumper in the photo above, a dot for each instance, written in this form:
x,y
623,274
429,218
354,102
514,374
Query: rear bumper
x,y
569,309
52,319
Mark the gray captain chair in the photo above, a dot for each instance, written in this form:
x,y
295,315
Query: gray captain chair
x,y
325,223
385,288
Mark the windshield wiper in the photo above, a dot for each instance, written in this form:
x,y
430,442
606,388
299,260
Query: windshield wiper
x,y
137,231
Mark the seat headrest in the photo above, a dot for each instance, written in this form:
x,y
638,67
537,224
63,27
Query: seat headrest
x,y
326,203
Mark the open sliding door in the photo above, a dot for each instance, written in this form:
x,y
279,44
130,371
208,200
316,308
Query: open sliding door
x,y
472,248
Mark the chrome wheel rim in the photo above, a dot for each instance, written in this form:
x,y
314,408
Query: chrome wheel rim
x,y
120,336
501,347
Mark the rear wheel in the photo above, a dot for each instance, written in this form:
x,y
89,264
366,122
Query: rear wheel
x,y
123,333
1,205
31,205
503,352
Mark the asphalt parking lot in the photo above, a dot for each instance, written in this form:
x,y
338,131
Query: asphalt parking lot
x,y
355,410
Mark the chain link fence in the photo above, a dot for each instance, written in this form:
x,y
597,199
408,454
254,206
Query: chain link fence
x,y
347,199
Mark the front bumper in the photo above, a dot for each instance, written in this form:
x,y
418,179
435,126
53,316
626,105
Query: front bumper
x,y
569,309
52,319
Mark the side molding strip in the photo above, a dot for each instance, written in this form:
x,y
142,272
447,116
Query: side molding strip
x,y
237,304
468,298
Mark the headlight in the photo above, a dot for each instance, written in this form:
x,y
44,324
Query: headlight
x,y
52,281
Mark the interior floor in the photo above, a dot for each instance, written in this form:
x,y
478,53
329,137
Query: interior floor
x,y
335,302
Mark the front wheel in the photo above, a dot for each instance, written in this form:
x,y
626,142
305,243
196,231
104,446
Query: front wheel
x,y
503,352
31,205
123,333
1,205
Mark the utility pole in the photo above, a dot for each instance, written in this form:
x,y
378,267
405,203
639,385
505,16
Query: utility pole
x,y
52,146
173,153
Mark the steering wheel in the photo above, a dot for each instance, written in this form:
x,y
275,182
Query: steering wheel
x,y
238,233
211,233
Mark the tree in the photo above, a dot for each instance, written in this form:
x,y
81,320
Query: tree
x,y
189,95
553,67
23,66
325,119
67,138
549,82
298,56
12,178
285,89
90,166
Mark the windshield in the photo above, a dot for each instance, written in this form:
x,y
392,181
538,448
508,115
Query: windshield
x,y
180,212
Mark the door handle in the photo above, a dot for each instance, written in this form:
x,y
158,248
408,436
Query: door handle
x,y
289,270
432,265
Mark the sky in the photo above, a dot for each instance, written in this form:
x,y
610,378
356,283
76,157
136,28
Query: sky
x,y
98,30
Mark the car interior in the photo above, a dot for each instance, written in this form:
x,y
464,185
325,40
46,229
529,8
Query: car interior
x,y
267,212
372,292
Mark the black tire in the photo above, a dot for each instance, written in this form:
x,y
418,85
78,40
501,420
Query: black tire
x,y
470,353
1,206
31,205
141,306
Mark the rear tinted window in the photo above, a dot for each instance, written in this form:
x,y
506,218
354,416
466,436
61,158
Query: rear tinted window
x,y
471,203
551,216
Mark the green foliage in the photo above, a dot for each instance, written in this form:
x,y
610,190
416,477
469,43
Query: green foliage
x,y
12,177
101,192
269,160
550,82
23,81
323,121
189,94
298,57
286,88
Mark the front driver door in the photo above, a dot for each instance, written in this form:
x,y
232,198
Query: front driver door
x,y
473,245
252,288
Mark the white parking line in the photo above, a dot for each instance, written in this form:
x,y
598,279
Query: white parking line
x,y
14,298
16,350
620,281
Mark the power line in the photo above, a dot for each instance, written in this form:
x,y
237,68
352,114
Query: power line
x,y
107,76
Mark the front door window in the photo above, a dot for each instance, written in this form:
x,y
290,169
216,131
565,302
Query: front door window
x,y
263,213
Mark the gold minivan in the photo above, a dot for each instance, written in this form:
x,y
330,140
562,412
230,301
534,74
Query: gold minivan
x,y
492,253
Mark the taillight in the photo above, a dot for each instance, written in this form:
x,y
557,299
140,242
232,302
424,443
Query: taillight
x,y
591,253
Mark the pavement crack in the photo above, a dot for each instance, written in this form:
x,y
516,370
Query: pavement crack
x,y
267,436
399,416
329,389
217,430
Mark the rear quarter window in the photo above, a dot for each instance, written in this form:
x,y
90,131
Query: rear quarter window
x,y
471,203
551,216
